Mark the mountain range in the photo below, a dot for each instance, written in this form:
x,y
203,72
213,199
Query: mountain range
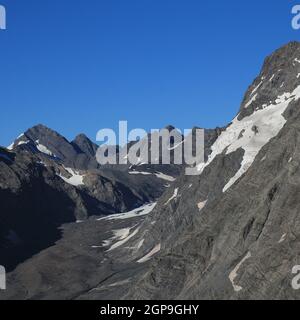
x,y
150,231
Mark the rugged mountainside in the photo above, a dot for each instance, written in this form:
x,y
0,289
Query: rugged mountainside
x,y
232,232
46,181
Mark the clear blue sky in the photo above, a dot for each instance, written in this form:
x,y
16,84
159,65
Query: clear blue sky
x,y
80,66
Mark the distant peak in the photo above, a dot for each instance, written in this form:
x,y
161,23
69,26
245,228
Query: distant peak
x,y
40,128
81,137
83,144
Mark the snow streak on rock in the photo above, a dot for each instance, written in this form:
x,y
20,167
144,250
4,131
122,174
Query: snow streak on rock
x,y
139,212
234,273
174,196
123,235
148,256
159,175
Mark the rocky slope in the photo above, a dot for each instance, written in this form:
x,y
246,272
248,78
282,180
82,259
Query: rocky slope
x,y
233,232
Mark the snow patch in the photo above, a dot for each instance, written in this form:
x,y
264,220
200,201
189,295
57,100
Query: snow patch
x,y
282,239
139,245
123,235
201,205
20,136
139,212
120,283
251,101
140,172
11,146
148,256
159,175
43,149
174,196
234,273
22,142
263,159
163,176
256,88
75,180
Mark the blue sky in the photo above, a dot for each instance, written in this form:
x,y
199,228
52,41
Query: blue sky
x,y
80,66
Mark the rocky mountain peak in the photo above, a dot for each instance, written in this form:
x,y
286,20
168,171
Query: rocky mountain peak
x,y
84,145
40,130
277,81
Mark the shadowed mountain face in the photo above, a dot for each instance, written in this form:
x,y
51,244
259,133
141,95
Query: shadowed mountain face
x,y
232,232
46,181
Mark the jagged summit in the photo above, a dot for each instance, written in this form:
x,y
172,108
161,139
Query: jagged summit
x,y
278,79
40,130
81,137
84,145
282,56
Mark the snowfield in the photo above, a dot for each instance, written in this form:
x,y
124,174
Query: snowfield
x,y
252,133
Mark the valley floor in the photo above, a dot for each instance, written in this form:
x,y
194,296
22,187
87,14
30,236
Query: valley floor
x,y
84,264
